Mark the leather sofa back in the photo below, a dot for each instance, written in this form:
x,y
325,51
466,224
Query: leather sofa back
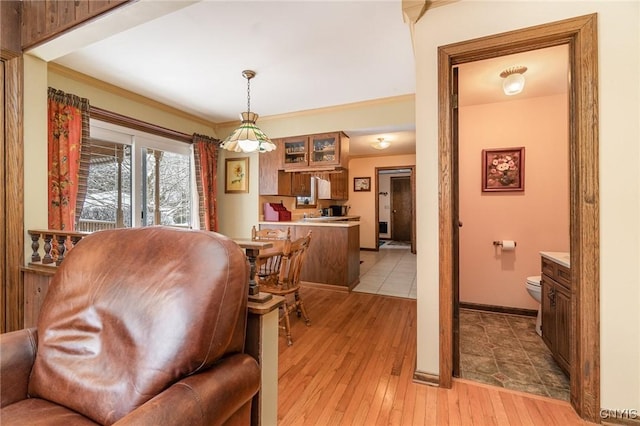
x,y
112,333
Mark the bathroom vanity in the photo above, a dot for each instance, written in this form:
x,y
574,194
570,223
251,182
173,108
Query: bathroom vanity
x,y
556,306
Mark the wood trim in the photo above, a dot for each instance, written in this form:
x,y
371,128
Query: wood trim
x,y
134,123
44,21
119,91
13,202
332,287
426,378
499,309
581,35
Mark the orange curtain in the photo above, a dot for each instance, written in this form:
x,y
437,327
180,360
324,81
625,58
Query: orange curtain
x,y
205,151
68,126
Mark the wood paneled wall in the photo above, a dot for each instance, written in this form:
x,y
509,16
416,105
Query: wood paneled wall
x,y
25,24
43,20
10,28
11,204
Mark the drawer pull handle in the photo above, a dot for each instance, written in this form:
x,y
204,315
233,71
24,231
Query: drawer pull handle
x,y
552,296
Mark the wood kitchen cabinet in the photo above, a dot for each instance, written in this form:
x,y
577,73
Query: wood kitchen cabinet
x,y
300,184
333,258
556,311
315,152
273,180
333,186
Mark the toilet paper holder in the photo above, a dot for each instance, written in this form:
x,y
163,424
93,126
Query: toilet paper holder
x,y
499,243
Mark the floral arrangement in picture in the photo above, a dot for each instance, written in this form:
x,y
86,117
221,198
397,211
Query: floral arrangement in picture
x,y
503,169
236,175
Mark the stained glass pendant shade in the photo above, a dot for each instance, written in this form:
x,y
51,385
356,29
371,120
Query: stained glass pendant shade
x,y
248,137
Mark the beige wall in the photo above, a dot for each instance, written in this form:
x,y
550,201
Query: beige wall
x,y
363,204
537,219
619,100
238,212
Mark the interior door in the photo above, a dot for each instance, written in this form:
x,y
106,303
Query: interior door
x,y
401,208
455,210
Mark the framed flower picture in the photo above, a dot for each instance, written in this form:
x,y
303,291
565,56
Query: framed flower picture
x,y
503,169
236,175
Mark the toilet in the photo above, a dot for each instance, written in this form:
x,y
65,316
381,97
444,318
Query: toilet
x,y
533,288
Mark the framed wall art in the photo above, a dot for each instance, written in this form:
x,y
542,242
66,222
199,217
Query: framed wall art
x,y
361,184
236,175
503,169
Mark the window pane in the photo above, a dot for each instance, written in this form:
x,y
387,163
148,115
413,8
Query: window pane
x,y
168,189
108,201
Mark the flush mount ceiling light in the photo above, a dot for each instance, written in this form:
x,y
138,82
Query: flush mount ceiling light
x,y
381,144
248,137
513,80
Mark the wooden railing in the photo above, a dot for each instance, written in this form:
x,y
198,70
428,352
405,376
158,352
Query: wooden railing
x,y
55,245
94,225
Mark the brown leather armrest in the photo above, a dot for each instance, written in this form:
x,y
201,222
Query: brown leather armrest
x,y
208,398
18,352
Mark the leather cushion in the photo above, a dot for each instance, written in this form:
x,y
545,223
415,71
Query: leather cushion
x,y
131,311
36,412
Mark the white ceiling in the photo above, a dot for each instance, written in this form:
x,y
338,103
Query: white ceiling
x,y
307,54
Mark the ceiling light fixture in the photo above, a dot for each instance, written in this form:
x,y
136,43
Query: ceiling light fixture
x,y
513,80
248,137
381,144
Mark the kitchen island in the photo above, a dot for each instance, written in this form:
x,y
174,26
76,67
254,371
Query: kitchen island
x,y
333,257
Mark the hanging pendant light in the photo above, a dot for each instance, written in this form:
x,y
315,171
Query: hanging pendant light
x,y
513,80
248,137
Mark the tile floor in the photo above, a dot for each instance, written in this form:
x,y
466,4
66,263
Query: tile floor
x,y
389,271
496,349
504,350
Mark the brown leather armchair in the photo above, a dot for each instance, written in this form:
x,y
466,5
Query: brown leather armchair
x,y
139,327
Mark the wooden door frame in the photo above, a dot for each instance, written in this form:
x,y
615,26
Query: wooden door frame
x,y
581,35
413,202
11,211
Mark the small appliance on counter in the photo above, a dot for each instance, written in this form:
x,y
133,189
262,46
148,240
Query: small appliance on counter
x,y
339,210
274,212
326,212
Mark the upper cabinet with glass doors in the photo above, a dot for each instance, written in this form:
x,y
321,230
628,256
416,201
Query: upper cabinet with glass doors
x,y
316,152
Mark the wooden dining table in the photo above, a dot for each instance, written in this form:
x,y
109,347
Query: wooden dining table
x,y
252,249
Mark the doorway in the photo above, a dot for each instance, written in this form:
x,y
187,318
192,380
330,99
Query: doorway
x,y
498,343
400,209
581,35
395,205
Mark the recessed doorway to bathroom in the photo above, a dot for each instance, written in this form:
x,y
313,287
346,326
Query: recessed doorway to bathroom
x,y
523,137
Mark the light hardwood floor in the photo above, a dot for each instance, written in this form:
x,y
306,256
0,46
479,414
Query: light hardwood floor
x,y
354,366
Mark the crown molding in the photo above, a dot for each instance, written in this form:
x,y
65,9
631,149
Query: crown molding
x,y
324,110
94,82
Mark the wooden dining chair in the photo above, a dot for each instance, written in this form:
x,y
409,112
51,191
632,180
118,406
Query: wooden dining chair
x,y
287,281
270,234
268,263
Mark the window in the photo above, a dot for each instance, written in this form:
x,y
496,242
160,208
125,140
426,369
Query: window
x,y
138,179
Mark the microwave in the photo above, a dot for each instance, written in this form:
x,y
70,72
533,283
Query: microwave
x,y
339,210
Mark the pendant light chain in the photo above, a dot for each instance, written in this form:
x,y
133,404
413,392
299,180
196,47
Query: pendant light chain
x,y
248,94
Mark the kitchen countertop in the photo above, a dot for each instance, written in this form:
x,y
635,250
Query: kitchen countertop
x,y
560,257
329,218
338,221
